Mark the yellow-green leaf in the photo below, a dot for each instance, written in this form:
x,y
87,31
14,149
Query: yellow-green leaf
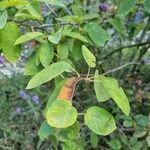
x,y
57,3
61,114
48,74
62,50
9,34
3,18
11,3
101,93
27,37
116,92
55,38
97,34
75,35
125,7
88,56
31,68
99,120
46,54
34,12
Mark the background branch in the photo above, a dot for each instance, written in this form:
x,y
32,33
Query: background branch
x,y
128,46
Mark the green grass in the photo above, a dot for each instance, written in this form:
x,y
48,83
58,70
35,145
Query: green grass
x,y
19,130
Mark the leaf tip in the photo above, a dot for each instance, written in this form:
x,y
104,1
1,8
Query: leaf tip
x,y
16,42
28,86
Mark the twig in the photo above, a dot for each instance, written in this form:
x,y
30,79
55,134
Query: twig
x,y
76,72
144,30
120,67
50,9
128,46
42,26
88,72
67,10
125,129
142,53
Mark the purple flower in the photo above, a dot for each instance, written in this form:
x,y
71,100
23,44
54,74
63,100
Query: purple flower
x,y
35,99
23,94
2,60
144,61
18,110
138,16
104,6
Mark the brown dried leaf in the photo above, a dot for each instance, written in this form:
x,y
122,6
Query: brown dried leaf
x,y
68,89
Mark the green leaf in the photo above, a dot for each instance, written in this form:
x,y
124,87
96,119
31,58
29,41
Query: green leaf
x,y
75,35
61,114
116,92
101,93
148,140
45,131
54,141
99,120
97,34
3,18
147,6
115,144
9,34
135,143
33,12
77,50
71,19
62,50
77,10
139,133
0,41
90,16
70,133
24,16
70,145
56,37
57,3
58,79
88,56
67,28
27,37
46,54
94,139
125,7
128,122
48,74
31,68
37,57
82,142
117,24
12,3
142,120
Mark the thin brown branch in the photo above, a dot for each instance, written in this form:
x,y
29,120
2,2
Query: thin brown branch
x,y
25,23
128,46
120,67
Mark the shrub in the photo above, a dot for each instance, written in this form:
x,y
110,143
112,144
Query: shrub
x,y
71,42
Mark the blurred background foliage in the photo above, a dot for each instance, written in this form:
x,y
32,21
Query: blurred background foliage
x,y
126,57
